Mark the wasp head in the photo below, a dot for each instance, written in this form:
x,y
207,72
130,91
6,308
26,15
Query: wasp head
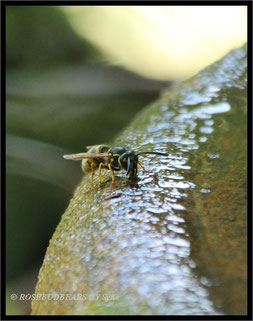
x,y
129,161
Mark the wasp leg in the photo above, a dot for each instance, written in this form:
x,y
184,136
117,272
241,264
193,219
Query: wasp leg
x,y
112,173
91,179
147,171
99,172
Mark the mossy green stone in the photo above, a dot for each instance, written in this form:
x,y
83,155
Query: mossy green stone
x,y
172,241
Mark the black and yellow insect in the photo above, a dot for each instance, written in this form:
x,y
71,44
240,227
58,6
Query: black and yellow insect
x,y
112,158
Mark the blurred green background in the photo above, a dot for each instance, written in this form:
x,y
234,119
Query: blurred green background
x,y
59,99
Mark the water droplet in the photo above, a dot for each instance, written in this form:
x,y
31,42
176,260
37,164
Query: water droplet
x,y
214,109
213,155
205,190
206,130
203,139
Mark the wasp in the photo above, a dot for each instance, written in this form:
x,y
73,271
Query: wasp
x,y
111,158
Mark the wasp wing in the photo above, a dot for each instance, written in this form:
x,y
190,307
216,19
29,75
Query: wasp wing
x,y
81,156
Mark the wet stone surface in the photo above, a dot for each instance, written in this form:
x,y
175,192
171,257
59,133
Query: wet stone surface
x,y
173,240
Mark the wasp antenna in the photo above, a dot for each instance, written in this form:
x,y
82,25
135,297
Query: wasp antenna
x,y
154,153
